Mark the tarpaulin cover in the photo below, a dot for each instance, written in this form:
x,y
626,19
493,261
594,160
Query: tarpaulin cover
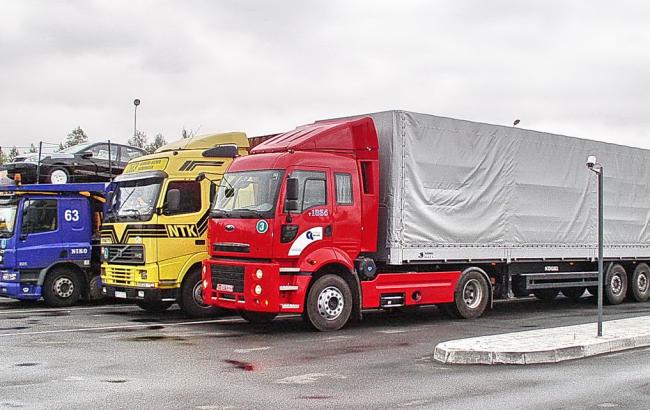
x,y
453,189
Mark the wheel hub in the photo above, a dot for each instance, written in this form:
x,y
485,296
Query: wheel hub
x,y
197,294
63,287
472,294
58,177
330,303
616,284
642,283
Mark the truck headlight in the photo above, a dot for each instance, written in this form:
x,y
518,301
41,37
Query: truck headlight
x,y
2,258
259,274
9,276
258,289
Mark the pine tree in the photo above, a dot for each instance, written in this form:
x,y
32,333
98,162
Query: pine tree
x,y
32,148
158,142
12,154
76,136
139,140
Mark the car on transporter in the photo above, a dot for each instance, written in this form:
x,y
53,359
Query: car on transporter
x,y
88,162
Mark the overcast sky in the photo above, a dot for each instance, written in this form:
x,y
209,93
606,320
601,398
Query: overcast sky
x,y
579,68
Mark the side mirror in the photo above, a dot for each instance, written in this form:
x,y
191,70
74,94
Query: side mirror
x,y
173,201
109,198
291,205
86,154
200,177
292,189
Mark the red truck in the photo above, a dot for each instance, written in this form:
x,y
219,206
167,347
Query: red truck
x,y
402,209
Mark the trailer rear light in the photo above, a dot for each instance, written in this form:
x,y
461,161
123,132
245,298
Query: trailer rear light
x,y
259,274
258,289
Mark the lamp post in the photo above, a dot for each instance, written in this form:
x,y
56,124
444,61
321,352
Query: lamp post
x,y
136,102
598,169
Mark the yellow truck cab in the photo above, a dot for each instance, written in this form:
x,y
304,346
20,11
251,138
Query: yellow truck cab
x,y
154,233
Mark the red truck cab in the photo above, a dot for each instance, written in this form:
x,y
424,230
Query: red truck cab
x,y
292,224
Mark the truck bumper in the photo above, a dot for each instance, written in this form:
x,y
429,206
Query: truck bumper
x,y
238,285
21,291
140,294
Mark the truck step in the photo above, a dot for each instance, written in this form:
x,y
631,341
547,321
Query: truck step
x,y
548,280
388,300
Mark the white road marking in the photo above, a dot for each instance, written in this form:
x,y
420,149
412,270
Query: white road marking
x,y
253,349
308,378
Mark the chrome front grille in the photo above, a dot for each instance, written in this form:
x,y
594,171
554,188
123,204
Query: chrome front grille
x,y
119,276
123,254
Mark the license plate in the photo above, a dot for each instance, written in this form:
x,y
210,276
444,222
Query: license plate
x,y
120,294
225,288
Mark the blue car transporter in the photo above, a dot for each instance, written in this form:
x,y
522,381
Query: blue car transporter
x,y
49,242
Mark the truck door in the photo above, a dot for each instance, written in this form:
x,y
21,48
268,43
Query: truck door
x,y
39,234
347,213
311,224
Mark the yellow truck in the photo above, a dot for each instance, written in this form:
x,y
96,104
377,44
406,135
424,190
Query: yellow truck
x,y
154,233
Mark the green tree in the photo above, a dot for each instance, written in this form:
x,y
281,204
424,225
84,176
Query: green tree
x,y
76,136
139,140
158,142
187,133
13,153
32,148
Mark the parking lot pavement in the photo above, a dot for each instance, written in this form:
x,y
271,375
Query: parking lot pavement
x,y
116,356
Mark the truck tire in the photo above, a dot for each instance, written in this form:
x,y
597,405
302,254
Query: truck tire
x,y
95,289
574,294
329,303
191,297
257,317
470,297
546,295
639,287
59,175
615,286
62,287
154,306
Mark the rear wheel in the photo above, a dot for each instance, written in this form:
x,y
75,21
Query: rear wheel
x,y
546,295
62,287
191,300
639,287
470,297
329,303
257,317
615,284
574,293
154,306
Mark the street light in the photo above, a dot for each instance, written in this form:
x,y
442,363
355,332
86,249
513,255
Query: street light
x,y
598,169
136,102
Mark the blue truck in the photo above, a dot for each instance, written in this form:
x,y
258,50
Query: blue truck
x,y
49,242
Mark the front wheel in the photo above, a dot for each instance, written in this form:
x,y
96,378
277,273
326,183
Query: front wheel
x,y
329,303
59,175
191,300
61,288
470,297
154,306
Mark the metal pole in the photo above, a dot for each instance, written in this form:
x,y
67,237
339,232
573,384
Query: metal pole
x,y
600,251
135,121
38,164
110,162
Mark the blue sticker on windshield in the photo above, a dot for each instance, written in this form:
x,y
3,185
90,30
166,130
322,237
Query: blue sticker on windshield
x,y
262,226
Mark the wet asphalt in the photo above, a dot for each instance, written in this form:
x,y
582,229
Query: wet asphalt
x,y
117,356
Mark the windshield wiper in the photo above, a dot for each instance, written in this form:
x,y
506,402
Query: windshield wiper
x,y
135,212
255,213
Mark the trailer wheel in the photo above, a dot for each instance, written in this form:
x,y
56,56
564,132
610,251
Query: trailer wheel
x,y
615,287
257,317
329,303
62,287
639,287
154,306
470,297
574,293
546,295
191,300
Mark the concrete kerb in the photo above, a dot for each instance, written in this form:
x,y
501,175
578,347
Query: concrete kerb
x,y
547,345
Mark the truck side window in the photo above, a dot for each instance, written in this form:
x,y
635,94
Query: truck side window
x,y
39,215
190,196
343,189
312,189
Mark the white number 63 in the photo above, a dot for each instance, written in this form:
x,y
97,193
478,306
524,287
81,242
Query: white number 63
x,y
71,215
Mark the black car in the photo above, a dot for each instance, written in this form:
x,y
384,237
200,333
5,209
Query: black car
x,y
79,163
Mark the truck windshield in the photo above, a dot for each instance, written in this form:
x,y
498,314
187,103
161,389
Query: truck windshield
x,y
7,220
247,194
134,200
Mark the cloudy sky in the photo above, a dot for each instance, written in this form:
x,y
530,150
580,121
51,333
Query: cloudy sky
x,y
579,68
